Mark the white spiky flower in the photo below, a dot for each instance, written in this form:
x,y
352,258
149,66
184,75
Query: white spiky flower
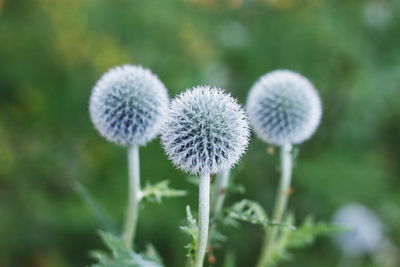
x,y
283,108
206,131
363,230
128,105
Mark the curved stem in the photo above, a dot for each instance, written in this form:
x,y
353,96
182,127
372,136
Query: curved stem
x,y
133,197
280,204
204,214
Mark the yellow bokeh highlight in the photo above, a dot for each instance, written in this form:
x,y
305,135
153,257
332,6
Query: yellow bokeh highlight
x,y
75,43
196,46
2,3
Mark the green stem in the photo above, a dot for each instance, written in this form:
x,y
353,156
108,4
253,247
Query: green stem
x,y
217,199
221,185
204,217
280,204
133,197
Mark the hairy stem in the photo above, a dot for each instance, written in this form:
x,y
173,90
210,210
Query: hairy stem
x,y
280,204
133,197
204,214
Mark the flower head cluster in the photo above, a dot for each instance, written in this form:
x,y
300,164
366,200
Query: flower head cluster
x,y
206,131
284,107
128,105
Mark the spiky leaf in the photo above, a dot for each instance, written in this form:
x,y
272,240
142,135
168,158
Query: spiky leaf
x,y
191,230
251,212
302,236
120,256
160,190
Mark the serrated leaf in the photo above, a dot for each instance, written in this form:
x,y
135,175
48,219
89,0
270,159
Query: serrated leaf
x,y
160,190
309,231
251,212
121,256
191,230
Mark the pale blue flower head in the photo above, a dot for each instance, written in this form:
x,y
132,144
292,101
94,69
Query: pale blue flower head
x,y
283,108
128,105
363,230
206,131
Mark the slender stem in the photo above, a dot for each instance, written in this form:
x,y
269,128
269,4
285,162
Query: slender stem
x,y
221,185
217,199
134,196
280,204
204,214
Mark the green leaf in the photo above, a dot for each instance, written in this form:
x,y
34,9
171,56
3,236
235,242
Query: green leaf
x,y
237,189
251,212
152,254
156,192
309,231
101,216
302,236
191,230
216,238
121,256
194,180
230,260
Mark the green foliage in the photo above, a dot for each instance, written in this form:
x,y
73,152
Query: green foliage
x,y
194,180
237,188
191,230
160,190
152,254
251,212
103,219
229,260
307,233
47,140
121,256
302,236
216,237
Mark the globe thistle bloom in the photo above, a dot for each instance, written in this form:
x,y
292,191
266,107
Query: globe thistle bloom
x,y
128,105
364,231
206,131
284,108
378,14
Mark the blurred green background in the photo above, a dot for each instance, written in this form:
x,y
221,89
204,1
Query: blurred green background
x,y
52,52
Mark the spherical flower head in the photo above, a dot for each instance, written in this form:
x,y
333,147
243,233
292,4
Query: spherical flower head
x,y
206,131
363,230
283,108
128,105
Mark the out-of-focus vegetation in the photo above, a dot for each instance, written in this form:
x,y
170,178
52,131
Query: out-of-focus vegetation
x,y
52,52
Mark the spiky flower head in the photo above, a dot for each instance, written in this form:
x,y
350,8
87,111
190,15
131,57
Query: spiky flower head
x,y
283,108
128,105
206,131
